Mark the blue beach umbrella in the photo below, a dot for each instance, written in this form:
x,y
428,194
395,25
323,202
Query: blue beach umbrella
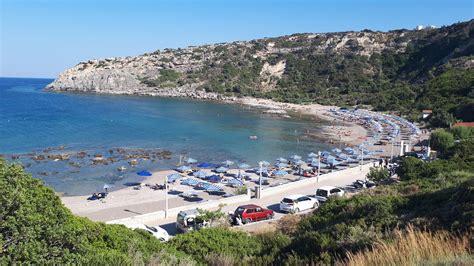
x,y
325,153
315,164
213,188
244,166
349,150
202,184
204,165
222,169
190,182
295,157
214,178
144,173
281,165
173,177
336,150
264,163
191,160
183,168
227,163
200,174
299,162
312,155
235,182
281,173
333,162
281,160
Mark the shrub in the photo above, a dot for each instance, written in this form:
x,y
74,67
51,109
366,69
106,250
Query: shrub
x,y
441,140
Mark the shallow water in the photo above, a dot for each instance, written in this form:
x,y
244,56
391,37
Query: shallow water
x,y
32,120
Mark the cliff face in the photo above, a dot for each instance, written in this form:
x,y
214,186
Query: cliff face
x,y
317,66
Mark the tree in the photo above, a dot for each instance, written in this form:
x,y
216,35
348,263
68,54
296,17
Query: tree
x,y
461,133
441,118
441,140
378,174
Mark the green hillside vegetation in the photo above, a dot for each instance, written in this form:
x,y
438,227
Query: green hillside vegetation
x,y
435,196
36,227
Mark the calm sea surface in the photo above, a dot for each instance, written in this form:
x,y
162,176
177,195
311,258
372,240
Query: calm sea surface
x,y
31,121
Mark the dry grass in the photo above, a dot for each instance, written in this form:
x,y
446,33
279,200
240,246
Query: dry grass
x,y
415,247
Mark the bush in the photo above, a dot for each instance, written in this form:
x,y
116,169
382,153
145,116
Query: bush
x,y
378,174
441,140
217,240
36,227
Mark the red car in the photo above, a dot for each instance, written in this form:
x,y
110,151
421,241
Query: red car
x,y
251,213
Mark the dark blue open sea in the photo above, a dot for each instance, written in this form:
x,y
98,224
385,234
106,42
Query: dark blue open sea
x,y
34,123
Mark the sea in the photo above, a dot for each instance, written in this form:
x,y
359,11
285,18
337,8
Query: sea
x,y
36,126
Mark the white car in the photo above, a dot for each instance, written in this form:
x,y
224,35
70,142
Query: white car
x,y
157,232
323,193
297,203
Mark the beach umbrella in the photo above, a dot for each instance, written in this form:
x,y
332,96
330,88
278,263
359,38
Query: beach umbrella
x,y
312,155
144,173
281,160
315,164
204,165
336,150
264,163
244,166
349,150
343,156
263,170
281,173
106,187
227,163
173,177
214,178
191,160
295,157
281,165
183,168
325,153
235,182
200,174
202,184
330,157
222,169
333,162
190,182
299,162
213,188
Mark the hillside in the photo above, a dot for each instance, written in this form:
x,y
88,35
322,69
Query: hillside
x,y
403,70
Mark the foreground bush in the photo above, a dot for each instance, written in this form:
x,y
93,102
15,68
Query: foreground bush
x,y
415,247
36,227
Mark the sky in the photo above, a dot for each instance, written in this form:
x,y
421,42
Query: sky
x,y
41,38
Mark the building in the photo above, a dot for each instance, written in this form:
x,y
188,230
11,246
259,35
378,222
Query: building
x,y
464,124
426,113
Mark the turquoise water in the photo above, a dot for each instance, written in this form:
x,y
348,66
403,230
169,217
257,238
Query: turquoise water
x,y
32,120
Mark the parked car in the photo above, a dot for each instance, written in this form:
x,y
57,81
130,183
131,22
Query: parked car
x,y
360,184
190,220
157,231
251,213
323,193
297,203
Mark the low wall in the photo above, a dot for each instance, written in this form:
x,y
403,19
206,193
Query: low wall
x,y
160,215
314,180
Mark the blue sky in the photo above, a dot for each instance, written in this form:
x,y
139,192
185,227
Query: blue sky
x,y
40,38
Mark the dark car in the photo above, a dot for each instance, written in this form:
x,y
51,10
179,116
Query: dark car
x,y
251,213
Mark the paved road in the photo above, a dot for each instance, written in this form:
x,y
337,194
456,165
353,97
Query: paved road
x,y
272,201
